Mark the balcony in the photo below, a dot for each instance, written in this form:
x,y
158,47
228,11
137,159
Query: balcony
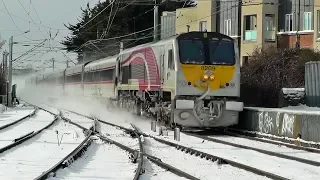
x,y
270,35
250,35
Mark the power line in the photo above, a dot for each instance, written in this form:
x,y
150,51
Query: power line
x,y
31,17
13,21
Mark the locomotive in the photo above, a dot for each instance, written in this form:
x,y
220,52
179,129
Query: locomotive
x,y
189,80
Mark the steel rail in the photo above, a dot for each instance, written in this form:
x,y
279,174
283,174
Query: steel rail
x,y
141,152
69,159
23,139
287,142
271,153
19,120
313,150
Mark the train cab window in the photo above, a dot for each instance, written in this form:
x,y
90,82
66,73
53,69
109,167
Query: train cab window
x,y
192,52
221,52
170,59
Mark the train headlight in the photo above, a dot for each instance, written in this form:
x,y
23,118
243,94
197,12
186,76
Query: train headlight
x,y
212,77
205,77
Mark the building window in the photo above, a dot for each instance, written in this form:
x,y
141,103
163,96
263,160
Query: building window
x,y
250,28
318,20
227,27
289,21
203,26
269,31
307,21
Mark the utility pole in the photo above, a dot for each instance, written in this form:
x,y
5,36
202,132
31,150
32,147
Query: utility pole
x,y
52,59
10,72
155,20
298,35
121,46
67,63
5,71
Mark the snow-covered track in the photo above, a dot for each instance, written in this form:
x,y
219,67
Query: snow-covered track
x,y
19,120
289,142
185,149
158,161
271,153
138,155
27,136
69,159
267,140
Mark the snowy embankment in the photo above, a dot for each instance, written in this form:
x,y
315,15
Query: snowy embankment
x,y
33,157
34,123
14,114
101,161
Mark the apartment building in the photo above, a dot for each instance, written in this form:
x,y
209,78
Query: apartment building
x,y
256,23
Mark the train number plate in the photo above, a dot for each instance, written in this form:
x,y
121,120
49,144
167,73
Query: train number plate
x,y
212,68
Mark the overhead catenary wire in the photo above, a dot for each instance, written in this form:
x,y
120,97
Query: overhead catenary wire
x,y
14,21
31,17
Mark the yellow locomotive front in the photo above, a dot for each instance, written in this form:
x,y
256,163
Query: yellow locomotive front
x,y
207,80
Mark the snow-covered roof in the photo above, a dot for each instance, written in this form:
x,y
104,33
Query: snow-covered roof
x,y
74,69
101,64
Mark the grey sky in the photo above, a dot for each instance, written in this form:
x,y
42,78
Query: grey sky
x,y
52,13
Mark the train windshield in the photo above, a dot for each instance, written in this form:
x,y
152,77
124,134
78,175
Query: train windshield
x,y
192,52
221,52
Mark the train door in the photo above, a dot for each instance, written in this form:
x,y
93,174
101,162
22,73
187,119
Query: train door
x,y
116,77
169,68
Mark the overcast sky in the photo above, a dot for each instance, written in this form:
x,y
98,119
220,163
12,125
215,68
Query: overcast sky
x,y
34,16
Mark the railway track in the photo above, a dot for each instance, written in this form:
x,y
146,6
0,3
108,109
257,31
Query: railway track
x,y
260,150
137,155
25,136
192,151
289,142
8,125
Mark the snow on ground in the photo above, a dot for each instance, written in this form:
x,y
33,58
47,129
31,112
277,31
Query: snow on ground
x,y
271,147
119,136
30,159
101,161
35,123
154,172
204,169
283,167
14,114
83,121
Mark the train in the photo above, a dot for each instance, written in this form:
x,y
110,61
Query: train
x,y
188,80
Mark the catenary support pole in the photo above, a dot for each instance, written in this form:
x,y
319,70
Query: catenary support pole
x,y
155,20
10,72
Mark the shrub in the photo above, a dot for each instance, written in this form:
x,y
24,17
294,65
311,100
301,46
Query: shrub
x,y
271,69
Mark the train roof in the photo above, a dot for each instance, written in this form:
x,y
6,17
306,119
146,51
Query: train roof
x,y
74,69
129,50
101,63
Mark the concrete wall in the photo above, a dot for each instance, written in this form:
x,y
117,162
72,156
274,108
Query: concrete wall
x,y
283,123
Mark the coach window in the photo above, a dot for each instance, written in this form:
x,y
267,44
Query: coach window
x,y
107,75
170,59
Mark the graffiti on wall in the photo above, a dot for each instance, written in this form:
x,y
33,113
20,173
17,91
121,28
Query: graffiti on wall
x,y
277,123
